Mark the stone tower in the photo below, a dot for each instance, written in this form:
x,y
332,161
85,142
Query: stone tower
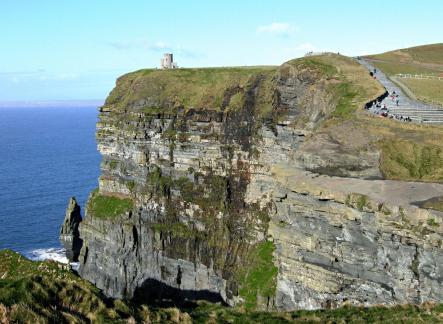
x,y
167,62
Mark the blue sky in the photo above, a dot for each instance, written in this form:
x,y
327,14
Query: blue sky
x,y
74,50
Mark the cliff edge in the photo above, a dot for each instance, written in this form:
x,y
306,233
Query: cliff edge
x,y
209,190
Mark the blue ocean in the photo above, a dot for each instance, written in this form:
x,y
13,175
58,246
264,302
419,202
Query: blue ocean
x,y
47,155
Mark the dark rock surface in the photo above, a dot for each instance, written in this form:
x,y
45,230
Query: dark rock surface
x,y
69,232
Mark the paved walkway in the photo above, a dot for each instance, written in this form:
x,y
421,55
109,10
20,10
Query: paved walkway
x,y
415,110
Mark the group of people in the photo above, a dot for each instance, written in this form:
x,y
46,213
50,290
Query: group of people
x,y
382,110
400,117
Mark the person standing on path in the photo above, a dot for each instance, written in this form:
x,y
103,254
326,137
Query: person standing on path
x,y
396,101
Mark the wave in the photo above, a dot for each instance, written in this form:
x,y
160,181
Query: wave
x,y
56,254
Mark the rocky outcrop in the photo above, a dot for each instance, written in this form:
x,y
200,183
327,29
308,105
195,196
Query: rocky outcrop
x,y
69,233
206,201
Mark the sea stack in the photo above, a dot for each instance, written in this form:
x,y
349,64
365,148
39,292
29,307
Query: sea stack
x,y
69,234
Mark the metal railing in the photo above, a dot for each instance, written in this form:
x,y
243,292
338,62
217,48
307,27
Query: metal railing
x,y
419,76
318,53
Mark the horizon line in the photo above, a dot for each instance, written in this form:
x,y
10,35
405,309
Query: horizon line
x,y
60,103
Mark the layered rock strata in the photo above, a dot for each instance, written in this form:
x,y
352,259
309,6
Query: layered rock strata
x,y
203,202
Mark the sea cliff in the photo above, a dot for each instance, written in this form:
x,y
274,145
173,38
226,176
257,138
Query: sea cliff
x,y
209,190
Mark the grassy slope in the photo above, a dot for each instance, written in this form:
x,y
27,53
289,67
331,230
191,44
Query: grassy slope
x,y
426,90
42,292
409,151
427,59
420,59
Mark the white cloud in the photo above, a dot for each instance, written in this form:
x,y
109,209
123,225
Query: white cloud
x,y
157,47
277,28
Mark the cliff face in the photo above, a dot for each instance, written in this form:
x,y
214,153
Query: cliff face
x,y
203,196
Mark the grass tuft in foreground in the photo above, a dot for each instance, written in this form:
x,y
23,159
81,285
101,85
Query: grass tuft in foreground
x,y
45,292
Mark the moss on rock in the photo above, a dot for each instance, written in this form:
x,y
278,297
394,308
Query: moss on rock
x,y
259,277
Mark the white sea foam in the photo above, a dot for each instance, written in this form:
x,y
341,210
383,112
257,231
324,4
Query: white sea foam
x,y
56,254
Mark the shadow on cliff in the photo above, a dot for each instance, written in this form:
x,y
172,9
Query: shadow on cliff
x,y
157,293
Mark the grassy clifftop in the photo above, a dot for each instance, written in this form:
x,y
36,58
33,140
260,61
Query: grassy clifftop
x,y
46,292
199,88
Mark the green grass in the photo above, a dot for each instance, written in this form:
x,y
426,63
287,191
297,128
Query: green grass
x,y
426,90
259,276
432,222
345,107
178,229
187,88
108,207
236,102
406,160
427,59
328,70
393,68
432,53
32,292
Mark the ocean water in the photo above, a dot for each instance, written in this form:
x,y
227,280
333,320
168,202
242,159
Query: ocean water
x,y
47,155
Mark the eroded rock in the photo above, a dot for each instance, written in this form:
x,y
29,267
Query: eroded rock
x,y
69,232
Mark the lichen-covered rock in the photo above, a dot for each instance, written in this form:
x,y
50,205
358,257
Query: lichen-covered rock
x,y
69,233
201,197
